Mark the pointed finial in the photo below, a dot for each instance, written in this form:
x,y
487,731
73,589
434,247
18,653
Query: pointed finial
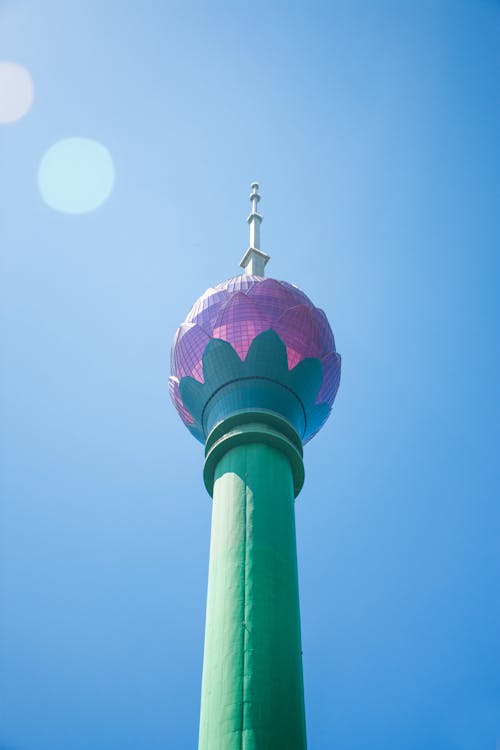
x,y
254,261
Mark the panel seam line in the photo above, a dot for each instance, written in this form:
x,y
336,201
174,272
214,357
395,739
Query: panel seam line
x,y
244,625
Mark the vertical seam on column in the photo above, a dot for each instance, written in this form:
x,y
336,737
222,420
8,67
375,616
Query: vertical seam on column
x,y
244,625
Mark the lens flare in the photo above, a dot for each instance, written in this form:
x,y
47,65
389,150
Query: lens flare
x,y
76,175
16,92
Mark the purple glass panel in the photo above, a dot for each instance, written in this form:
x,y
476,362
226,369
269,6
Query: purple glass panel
x,y
272,297
299,331
299,295
326,340
331,379
189,351
210,310
240,321
239,283
198,305
173,387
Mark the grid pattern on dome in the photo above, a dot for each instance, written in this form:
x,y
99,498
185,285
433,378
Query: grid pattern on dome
x,y
238,310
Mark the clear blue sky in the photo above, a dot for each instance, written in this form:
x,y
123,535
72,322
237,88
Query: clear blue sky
x,y
373,129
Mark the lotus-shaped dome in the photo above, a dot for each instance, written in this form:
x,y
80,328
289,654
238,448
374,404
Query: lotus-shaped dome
x,y
237,312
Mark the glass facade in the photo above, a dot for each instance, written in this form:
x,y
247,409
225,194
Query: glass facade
x,y
240,309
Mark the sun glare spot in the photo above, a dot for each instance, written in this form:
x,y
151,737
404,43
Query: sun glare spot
x,y
16,92
76,175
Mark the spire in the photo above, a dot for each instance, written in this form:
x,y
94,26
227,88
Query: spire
x,y
254,261
255,219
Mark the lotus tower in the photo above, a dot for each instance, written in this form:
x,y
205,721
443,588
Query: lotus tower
x,y
254,373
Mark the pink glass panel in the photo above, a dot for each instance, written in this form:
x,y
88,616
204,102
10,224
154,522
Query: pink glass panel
x,y
240,321
299,331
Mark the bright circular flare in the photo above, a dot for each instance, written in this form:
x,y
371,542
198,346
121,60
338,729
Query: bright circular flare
x,y
76,175
16,92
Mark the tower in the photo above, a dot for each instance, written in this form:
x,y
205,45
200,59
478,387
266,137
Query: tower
x,y
254,376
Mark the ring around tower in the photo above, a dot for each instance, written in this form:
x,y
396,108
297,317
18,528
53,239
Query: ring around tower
x,y
254,373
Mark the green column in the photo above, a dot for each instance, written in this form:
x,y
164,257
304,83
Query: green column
x,y
252,689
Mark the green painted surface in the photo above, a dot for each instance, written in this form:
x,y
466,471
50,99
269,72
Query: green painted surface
x,y
252,691
262,381
250,427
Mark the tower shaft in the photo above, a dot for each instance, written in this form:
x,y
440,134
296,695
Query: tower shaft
x,y
252,688
254,375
